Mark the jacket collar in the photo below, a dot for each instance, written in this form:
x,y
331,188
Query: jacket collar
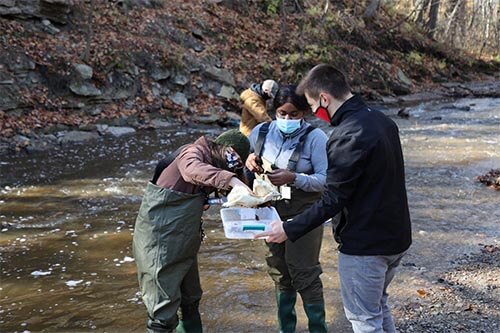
x,y
353,104
257,88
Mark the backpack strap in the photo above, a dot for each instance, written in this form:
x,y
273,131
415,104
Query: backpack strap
x,y
261,139
292,162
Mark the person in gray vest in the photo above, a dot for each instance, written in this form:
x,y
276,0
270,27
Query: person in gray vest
x,y
296,152
167,233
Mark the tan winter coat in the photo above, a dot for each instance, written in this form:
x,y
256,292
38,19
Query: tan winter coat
x,y
254,111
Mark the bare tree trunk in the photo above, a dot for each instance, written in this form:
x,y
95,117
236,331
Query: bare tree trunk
x,y
421,13
433,16
486,35
451,18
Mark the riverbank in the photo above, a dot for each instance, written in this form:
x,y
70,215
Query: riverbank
x,y
64,136
73,72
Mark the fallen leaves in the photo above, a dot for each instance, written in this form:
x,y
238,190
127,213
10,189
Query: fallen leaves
x,y
421,292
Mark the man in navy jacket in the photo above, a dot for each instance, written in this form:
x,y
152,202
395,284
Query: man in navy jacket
x,y
366,184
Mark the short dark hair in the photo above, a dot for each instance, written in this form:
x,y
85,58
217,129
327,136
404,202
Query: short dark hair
x,y
287,94
325,78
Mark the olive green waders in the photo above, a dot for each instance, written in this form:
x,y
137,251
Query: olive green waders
x,y
167,237
295,267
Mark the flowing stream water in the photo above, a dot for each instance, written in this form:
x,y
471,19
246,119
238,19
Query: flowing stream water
x,y
67,220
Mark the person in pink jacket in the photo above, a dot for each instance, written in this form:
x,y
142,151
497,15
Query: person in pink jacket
x,y
167,233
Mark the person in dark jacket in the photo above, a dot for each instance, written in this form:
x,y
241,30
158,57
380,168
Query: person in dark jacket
x,y
366,184
167,233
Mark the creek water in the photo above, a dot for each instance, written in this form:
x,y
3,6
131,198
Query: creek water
x,y
67,220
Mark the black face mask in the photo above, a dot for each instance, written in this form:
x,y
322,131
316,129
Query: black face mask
x,y
233,160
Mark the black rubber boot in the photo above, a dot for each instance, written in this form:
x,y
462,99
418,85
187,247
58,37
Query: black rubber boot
x,y
287,318
316,315
159,326
190,319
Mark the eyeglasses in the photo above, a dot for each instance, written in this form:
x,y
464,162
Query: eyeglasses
x,y
233,160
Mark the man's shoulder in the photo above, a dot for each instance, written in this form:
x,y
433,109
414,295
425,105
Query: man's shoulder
x,y
316,133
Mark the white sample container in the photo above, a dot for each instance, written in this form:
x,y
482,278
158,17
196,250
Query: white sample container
x,y
244,223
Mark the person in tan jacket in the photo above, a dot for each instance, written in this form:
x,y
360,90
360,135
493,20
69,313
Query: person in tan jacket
x,y
254,104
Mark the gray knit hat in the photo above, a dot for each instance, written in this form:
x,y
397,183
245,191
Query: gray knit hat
x,y
235,139
270,87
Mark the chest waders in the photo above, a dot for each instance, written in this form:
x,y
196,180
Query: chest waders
x,y
167,237
294,267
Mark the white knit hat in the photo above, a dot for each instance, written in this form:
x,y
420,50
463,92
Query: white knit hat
x,y
270,87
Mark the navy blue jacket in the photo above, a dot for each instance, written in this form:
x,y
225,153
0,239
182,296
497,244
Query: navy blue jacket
x,y
365,182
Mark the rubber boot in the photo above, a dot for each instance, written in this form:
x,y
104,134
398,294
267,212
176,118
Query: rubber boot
x,y
287,318
190,319
316,315
159,326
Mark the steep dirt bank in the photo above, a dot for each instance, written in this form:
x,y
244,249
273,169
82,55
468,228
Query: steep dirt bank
x,y
83,66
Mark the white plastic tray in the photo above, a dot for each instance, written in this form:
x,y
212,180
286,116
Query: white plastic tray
x,y
244,223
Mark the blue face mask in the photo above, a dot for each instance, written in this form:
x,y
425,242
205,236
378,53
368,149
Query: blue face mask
x,y
288,126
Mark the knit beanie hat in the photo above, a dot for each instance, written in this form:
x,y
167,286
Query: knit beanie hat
x,y
235,139
270,87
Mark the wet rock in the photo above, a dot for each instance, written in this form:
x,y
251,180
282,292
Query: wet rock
x,y
197,46
180,99
181,79
83,71
55,10
418,98
404,113
197,33
10,97
159,74
84,89
49,137
4,147
491,179
207,118
21,141
18,62
138,3
94,111
231,119
6,78
220,74
462,108
7,3
49,28
41,145
88,127
121,85
78,137
399,88
159,89
403,78
115,131
228,92
160,123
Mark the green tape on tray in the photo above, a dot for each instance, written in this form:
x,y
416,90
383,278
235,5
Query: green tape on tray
x,y
252,227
